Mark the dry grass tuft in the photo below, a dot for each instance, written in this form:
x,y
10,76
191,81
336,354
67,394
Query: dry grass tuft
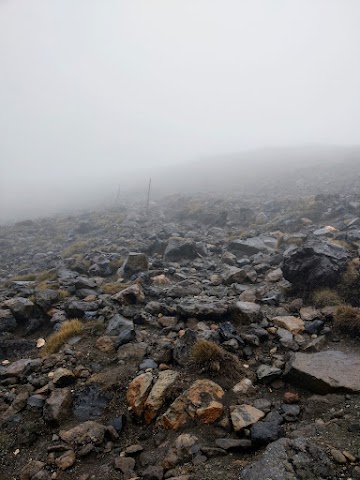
x,y
47,285
116,263
63,294
326,297
28,277
67,330
74,248
206,356
340,243
347,320
46,275
351,274
113,287
94,326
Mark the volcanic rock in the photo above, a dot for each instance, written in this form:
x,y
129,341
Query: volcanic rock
x,y
327,371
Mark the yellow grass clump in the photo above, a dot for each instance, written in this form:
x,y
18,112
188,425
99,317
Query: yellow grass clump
x,y
351,274
76,247
68,329
113,287
63,294
326,297
46,275
347,319
206,356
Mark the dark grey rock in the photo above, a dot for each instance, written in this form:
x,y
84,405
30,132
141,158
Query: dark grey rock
x,y
90,403
21,308
313,327
234,275
203,308
290,413
135,263
183,346
117,324
148,363
315,264
233,443
79,308
327,371
267,374
126,336
253,245
7,321
290,459
179,248
263,433
46,298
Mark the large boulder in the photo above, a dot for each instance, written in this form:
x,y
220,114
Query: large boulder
x,y
285,459
327,371
203,307
251,246
179,248
315,264
135,263
22,308
7,321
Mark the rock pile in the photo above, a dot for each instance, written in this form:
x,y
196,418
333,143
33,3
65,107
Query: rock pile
x,y
199,352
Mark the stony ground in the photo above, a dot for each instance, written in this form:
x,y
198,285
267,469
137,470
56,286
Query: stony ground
x,y
212,341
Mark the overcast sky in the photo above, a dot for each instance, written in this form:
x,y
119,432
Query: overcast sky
x,y
90,87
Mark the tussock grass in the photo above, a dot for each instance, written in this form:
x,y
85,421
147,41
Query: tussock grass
x,y
68,329
340,243
113,287
27,277
206,356
94,326
347,320
74,248
326,297
47,275
116,263
63,294
351,274
47,285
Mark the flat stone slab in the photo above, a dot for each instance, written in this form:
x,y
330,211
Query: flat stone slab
x,y
293,324
326,371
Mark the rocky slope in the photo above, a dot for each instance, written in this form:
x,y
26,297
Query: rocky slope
x,y
216,338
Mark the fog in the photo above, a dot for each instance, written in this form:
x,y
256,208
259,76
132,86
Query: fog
x,y
94,93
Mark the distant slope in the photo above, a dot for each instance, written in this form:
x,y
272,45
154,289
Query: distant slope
x,y
294,170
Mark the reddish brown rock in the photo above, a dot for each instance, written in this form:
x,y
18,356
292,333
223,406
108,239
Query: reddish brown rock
x,y
105,344
66,460
138,392
200,402
87,432
291,397
158,394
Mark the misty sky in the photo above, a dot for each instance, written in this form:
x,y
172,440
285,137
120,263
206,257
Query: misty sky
x,y
94,90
